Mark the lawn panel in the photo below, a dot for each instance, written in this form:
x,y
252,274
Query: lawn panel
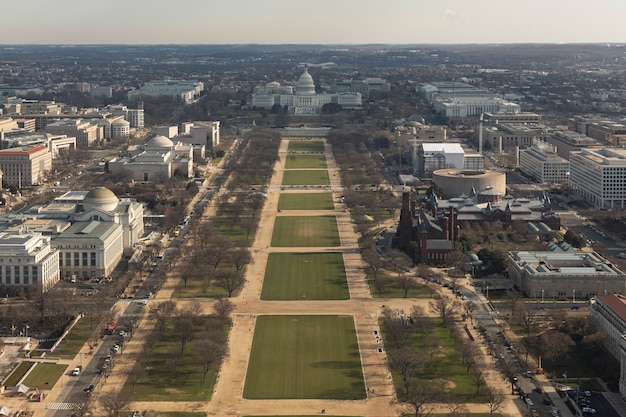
x,y
306,177
305,161
305,231
305,201
304,357
305,276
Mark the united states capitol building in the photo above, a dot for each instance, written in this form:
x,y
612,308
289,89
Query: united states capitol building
x,y
302,98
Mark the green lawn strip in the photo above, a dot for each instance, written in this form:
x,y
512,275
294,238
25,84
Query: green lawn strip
x,y
44,375
76,338
445,365
306,177
305,161
305,357
392,290
165,375
305,201
305,276
306,146
305,231
18,373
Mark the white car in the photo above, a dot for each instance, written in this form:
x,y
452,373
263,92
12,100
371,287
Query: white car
x,y
115,348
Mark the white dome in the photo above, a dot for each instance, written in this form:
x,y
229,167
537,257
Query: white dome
x,y
100,198
305,85
160,142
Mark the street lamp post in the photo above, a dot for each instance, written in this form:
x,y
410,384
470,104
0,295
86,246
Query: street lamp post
x,y
573,296
487,292
541,296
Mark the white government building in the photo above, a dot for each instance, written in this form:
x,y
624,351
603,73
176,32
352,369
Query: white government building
x,y
27,260
304,100
608,315
158,159
87,233
429,157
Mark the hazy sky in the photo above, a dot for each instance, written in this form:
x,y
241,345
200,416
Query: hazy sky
x,y
314,21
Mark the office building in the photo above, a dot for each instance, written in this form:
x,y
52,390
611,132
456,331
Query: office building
x,y
607,314
599,176
177,90
25,166
542,162
86,133
567,141
564,275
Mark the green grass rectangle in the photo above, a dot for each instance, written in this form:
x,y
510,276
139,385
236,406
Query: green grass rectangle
x,y
76,338
18,373
305,161
305,357
306,177
305,201
305,231
44,375
305,276
306,146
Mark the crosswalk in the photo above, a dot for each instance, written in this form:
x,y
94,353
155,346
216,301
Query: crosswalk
x,y
61,406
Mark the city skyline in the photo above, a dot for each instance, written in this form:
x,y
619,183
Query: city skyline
x,y
323,22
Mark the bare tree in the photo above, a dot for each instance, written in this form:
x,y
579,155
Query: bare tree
x,y
162,312
432,345
445,307
421,323
184,326
240,257
554,344
495,400
222,308
397,329
423,395
400,260
82,404
470,307
406,361
209,354
230,281
406,282
218,250
115,403
374,263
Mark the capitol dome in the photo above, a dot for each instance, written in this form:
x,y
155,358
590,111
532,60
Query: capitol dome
x,y
305,85
100,198
160,142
